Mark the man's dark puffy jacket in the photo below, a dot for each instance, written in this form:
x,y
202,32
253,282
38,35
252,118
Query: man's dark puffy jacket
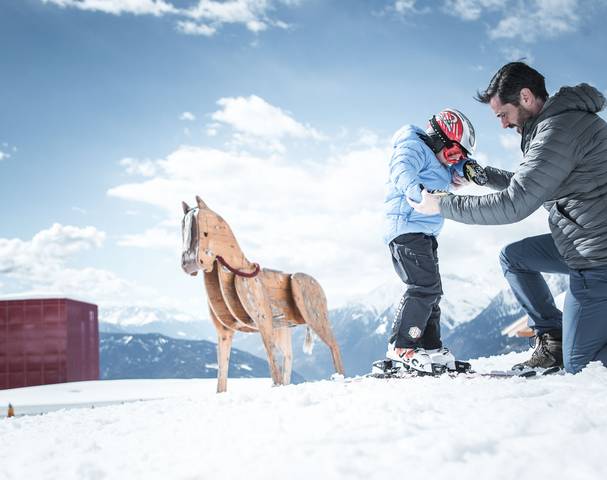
x,y
565,168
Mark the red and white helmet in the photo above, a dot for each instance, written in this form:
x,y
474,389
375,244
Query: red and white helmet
x,y
451,125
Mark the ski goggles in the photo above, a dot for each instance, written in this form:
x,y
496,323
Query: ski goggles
x,y
455,153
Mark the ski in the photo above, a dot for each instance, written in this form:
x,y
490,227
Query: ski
x,y
388,369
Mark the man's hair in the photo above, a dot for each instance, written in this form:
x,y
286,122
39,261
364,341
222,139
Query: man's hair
x,y
508,82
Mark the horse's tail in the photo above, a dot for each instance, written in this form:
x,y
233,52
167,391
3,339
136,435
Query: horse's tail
x,y
308,345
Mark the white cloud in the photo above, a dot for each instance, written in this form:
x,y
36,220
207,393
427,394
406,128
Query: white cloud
x,y
513,54
192,28
249,141
40,266
470,9
254,116
61,241
208,15
404,6
212,129
330,209
153,238
511,141
133,166
187,116
47,249
407,8
367,137
230,11
118,7
204,18
526,21
4,155
546,18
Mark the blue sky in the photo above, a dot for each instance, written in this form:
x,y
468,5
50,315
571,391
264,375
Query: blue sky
x,y
277,112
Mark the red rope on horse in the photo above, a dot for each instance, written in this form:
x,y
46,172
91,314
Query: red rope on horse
x,y
239,272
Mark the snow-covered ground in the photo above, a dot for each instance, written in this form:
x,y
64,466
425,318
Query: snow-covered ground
x,y
552,427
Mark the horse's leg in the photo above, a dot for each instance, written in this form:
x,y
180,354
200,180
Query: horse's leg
x,y
312,304
224,346
282,336
255,301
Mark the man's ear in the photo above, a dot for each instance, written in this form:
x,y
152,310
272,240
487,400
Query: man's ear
x,y
526,97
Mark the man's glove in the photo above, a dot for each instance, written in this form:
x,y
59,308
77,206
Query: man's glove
x,y
475,173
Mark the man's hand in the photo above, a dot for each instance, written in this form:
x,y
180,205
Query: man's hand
x,y
429,204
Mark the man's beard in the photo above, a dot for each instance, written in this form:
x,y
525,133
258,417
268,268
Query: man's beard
x,y
522,115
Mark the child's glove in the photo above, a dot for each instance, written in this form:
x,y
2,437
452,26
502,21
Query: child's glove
x,y
474,172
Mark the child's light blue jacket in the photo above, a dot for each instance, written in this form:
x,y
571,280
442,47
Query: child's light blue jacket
x,y
413,163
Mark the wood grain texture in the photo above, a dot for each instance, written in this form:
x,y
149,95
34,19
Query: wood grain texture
x,y
312,304
224,347
230,297
254,300
219,307
278,289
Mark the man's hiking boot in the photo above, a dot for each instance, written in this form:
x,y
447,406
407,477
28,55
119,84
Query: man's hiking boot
x,y
548,352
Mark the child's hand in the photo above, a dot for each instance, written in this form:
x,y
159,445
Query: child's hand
x,y
458,182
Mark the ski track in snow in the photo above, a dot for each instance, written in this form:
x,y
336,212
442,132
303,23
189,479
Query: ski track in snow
x,y
454,428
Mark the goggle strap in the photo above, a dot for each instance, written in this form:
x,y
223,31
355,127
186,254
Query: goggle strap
x,y
447,142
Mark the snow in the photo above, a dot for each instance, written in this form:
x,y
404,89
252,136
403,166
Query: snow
x,y
549,427
382,328
140,316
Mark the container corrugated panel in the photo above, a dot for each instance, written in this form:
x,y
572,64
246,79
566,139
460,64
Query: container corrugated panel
x,y
47,341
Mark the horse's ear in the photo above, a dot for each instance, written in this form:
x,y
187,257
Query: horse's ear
x,y
185,207
200,203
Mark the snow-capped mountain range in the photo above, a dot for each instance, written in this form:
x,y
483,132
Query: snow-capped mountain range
x,y
170,322
152,355
463,298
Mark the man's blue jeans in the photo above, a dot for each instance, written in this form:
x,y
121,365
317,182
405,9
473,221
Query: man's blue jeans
x,y
584,317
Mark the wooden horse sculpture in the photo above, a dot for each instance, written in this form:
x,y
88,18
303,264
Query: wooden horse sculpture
x,y
243,297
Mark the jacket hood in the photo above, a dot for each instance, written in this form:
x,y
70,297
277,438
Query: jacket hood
x,y
582,97
407,132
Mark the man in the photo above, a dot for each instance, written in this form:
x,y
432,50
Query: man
x,y
564,143
434,158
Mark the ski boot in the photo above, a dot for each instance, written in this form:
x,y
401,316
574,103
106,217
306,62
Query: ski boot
x,y
413,359
442,356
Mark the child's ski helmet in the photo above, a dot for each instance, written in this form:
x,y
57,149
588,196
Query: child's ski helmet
x,y
451,126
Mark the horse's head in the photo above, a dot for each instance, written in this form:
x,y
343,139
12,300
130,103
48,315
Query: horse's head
x,y
200,230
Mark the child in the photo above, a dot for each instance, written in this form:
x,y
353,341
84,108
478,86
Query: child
x,y
435,159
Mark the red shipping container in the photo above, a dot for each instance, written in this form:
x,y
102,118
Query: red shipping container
x,y
50,340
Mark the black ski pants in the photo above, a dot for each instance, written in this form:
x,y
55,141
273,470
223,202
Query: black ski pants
x,y
417,319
